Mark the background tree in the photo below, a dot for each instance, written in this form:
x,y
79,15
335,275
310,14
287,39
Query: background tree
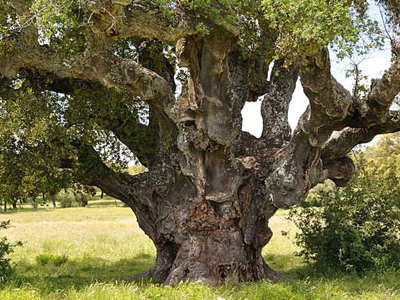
x,y
28,161
383,162
104,72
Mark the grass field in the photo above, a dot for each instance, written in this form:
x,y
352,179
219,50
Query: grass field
x,y
91,253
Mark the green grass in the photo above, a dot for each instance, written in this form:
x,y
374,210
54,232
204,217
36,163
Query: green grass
x,y
90,253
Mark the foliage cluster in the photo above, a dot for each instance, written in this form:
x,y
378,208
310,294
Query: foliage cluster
x,y
304,24
32,146
66,200
357,227
383,163
5,249
39,132
292,25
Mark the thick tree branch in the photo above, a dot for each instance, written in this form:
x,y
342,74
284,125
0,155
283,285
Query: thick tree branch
x,y
345,140
117,18
275,106
297,165
126,18
294,165
329,100
97,64
339,170
136,191
209,96
91,170
334,164
383,92
331,106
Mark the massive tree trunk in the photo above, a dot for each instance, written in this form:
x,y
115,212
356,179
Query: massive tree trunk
x,y
209,236
211,188
206,202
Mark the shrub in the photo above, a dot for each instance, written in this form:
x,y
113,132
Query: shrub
x,y
66,200
353,228
5,249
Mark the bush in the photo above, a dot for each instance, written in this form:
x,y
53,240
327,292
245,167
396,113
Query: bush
x,y
5,249
66,200
353,228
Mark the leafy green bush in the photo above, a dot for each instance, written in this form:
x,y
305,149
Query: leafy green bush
x,y
353,228
6,248
66,199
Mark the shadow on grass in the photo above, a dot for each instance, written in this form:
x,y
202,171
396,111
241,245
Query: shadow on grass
x,y
79,274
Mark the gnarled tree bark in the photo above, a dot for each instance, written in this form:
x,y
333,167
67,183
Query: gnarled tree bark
x,y
211,189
